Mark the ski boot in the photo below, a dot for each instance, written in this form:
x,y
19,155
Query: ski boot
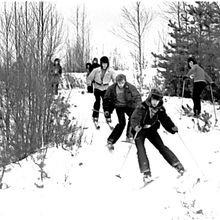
x,y
180,169
95,121
110,146
147,177
129,140
109,123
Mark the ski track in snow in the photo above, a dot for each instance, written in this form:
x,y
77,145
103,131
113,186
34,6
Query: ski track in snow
x,y
85,186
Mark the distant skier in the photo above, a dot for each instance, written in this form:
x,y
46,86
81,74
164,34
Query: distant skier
x,y
101,78
89,70
123,97
200,80
95,64
56,75
1,118
146,120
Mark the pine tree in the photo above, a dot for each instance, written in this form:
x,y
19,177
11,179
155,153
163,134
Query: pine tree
x,y
194,32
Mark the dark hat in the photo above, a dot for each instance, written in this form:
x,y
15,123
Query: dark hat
x,y
104,59
95,60
156,94
57,59
193,59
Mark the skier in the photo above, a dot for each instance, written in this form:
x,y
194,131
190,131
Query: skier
x,y
200,80
123,97
94,64
56,75
101,78
1,118
89,70
145,122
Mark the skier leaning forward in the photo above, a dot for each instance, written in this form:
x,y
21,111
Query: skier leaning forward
x,y
123,97
101,76
146,120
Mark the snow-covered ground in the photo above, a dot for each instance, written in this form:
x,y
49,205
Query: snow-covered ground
x,y
84,186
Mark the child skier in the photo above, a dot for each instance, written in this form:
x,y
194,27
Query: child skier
x,y
101,78
200,80
145,121
123,97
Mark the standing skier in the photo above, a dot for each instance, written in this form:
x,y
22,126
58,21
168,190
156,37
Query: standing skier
x,y
88,71
95,64
123,97
145,121
56,75
200,80
101,78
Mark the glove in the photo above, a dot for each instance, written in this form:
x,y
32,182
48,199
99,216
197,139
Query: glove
x,y
107,114
185,77
174,129
137,128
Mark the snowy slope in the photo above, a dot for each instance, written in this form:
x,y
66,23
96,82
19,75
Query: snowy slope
x,y
85,186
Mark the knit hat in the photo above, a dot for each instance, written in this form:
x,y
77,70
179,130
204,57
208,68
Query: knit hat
x,y
156,94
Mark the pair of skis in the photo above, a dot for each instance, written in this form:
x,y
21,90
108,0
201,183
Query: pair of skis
x,y
97,126
203,118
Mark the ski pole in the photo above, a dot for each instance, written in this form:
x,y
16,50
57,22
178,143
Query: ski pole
x,y
97,111
126,156
182,96
192,157
213,103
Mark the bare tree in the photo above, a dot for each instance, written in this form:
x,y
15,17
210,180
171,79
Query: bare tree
x,y
29,33
132,29
78,52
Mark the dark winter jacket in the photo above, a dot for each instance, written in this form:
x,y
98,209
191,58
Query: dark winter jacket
x,y
131,95
56,73
94,65
141,117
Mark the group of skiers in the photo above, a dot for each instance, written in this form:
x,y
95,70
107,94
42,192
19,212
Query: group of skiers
x,y
144,117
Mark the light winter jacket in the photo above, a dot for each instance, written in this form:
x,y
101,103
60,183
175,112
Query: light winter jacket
x,y
95,77
198,74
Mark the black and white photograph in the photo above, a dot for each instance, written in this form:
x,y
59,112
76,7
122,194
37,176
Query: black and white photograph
x,y
109,110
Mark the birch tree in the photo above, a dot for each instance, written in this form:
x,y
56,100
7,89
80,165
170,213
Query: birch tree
x,y
132,29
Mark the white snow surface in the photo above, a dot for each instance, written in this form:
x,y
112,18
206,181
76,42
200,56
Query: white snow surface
x,y
84,186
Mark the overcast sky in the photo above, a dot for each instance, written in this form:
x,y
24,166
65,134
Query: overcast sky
x,y
104,15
